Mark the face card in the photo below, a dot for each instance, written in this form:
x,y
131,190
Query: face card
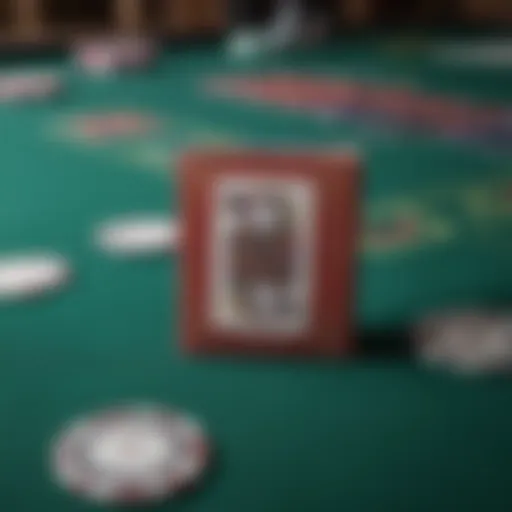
x,y
268,251
261,255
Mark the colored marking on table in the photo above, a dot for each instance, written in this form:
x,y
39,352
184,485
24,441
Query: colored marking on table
x,y
484,54
144,141
404,224
105,127
404,108
491,202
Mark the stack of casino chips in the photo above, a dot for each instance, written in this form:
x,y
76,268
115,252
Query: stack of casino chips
x,y
470,342
131,454
25,276
36,274
21,87
110,56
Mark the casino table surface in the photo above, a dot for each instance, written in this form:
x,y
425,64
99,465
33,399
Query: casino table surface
x,y
373,433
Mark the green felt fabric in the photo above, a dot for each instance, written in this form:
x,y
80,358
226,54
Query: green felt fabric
x,y
367,435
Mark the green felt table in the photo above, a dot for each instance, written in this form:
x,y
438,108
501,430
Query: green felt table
x,y
369,434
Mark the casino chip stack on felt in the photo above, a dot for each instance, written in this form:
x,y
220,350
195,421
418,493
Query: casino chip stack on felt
x,y
19,87
110,56
38,273
131,454
143,235
466,342
24,276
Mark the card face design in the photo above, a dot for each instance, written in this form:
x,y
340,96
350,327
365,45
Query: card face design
x,y
268,252
260,256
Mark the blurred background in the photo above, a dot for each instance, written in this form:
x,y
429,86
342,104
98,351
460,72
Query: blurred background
x,y
50,20
371,433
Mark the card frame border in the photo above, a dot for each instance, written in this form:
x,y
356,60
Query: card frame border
x,y
336,176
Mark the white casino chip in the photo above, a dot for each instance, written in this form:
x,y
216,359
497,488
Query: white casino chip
x,y
441,338
99,62
139,236
26,276
466,342
96,57
28,86
137,454
105,57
